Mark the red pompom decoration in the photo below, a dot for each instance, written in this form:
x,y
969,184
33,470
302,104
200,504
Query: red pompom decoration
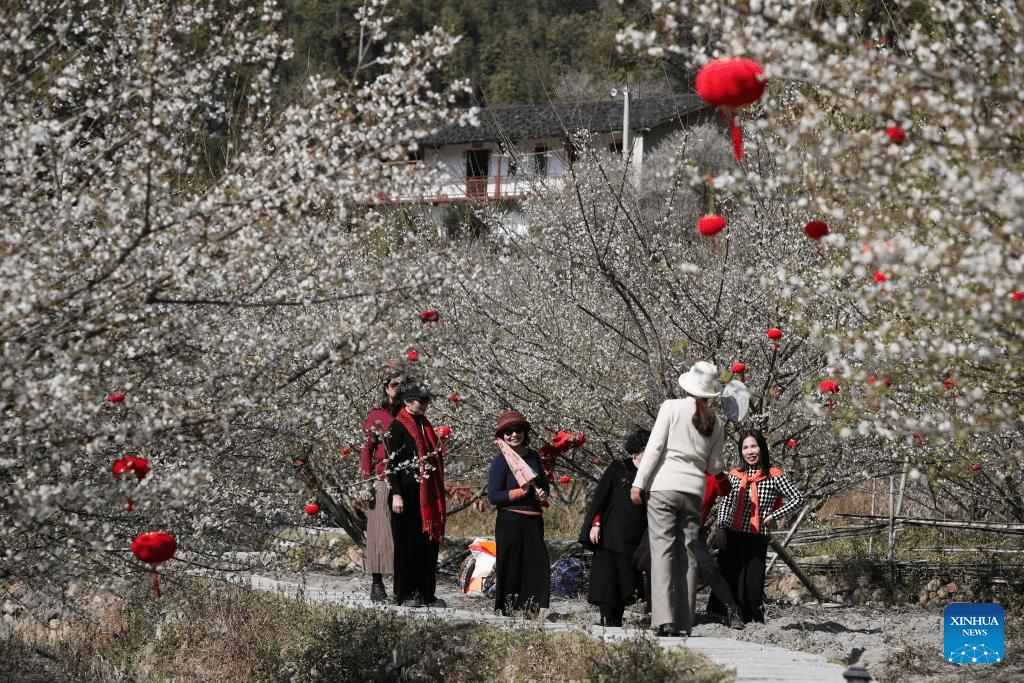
x,y
412,355
430,316
312,509
829,386
816,230
896,135
710,225
730,84
739,368
154,548
131,464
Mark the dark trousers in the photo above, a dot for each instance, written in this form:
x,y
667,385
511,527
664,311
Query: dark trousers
x,y
415,553
522,569
710,573
743,565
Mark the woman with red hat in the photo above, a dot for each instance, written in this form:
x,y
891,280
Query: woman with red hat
x,y
522,569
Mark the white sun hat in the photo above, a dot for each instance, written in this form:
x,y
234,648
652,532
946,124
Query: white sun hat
x,y
701,380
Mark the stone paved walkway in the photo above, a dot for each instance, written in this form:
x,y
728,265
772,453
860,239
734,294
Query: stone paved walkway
x,y
752,662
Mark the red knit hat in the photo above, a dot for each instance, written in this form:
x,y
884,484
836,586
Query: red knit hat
x,y
508,420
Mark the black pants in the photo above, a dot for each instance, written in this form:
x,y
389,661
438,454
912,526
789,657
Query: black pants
x,y
743,565
415,553
522,569
710,573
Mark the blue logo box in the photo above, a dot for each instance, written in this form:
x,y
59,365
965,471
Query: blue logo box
x,y
972,633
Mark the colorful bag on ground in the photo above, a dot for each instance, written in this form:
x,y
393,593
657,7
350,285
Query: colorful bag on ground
x,y
477,568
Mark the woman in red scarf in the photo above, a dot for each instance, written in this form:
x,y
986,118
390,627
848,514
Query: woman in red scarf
x,y
415,473
379,546
760,496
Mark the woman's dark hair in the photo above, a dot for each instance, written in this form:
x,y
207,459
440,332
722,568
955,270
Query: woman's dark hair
x,y
637,441
704,418
765,464
388,404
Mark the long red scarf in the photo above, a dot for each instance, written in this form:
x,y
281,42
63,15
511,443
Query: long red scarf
x,y
431,462
755,504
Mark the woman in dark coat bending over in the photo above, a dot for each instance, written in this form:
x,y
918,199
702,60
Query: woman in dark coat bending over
x,y
613,528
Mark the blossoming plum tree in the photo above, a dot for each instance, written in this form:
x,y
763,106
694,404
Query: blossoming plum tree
x,y
174,236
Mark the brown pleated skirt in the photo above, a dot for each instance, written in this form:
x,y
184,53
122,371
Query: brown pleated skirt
x,y
380,549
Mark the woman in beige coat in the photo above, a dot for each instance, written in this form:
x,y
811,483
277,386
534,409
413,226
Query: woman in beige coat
x,y
686,441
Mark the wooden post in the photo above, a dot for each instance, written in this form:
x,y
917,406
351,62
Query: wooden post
x,y
788,559
785,541
892,516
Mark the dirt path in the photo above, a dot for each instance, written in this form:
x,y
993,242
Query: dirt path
x,y
895,644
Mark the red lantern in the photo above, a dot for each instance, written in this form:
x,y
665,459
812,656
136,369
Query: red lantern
x,y
739,368
412,355
430,316
131,464
710,225
312,509
896,135
829,386
1018,295
775,334
879,276
816,230
791,443
729,84
154,548
116,397
454,398
564,479
345,451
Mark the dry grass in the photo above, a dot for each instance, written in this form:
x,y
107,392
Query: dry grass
x,y
207,631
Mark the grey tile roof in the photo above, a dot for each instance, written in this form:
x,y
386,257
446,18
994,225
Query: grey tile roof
x,y
554,121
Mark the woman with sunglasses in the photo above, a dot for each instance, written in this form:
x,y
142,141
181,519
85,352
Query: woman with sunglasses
x,y
415,472
379,546
522,569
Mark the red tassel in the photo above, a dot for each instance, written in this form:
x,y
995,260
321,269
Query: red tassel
x,y
156,582
737,138
129,505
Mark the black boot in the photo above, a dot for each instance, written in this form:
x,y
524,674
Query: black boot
x,y
377,592
733,619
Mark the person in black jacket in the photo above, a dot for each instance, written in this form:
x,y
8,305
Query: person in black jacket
x,y
613,528
415,473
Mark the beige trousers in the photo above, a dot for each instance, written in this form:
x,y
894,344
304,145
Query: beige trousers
x,y
673,523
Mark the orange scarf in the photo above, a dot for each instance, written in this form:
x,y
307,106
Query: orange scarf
x,y
755,504
431,461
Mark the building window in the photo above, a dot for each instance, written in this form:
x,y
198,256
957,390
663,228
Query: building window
x,y
540,160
